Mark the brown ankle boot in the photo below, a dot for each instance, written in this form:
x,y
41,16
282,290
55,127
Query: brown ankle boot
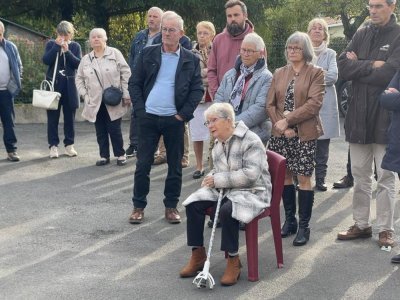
x,y
195,264
232,271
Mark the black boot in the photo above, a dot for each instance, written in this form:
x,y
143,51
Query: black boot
x,y
306,200
289,203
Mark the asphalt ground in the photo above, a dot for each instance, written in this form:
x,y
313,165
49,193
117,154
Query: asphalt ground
x,y
64,234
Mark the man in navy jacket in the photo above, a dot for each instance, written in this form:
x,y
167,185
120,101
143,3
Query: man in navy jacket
x,y
165,88
10,85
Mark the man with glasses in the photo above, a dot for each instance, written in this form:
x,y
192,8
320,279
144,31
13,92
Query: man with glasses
x,y
10,85
165,89
146,37
370,61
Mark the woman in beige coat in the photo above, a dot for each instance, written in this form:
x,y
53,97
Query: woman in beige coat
x,y
104,67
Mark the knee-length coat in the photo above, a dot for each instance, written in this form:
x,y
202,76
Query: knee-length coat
x,y
242,173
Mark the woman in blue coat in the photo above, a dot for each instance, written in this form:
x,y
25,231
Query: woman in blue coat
x,y
390,100
69,56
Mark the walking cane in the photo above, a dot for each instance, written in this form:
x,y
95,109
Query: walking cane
x,y
204,277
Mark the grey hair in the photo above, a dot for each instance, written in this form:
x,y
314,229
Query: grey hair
x,y
303,40
99,30
65,28
171,15
324,25
222,110
156,9
2,26
390,2
254,38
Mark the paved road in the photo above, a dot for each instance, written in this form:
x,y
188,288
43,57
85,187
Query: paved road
x,y
64,235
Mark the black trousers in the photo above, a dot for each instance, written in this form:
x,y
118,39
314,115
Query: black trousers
x,y
7,119
133,130
105,128
321,158
195,213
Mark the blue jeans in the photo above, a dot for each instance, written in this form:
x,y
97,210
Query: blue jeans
x,y
7,116
151,127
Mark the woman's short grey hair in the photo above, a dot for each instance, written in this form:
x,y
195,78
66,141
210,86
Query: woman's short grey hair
x,y
324,25
65,28
303,40
171,15
2,26
255,39
101,31
222,110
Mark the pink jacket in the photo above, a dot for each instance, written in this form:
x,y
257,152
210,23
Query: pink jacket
x,y
224,52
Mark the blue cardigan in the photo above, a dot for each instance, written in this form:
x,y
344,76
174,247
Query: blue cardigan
x,y
72,59
391,102
15,65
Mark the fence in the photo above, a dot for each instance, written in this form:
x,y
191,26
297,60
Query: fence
x,y
34,69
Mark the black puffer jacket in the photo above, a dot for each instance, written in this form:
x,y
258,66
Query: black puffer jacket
x,y
366,122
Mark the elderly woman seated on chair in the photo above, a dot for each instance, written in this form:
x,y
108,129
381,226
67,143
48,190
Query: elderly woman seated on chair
x,y
241,171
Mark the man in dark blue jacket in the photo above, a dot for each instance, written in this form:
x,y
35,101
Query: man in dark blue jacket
x,y
10,85
146,37
165,88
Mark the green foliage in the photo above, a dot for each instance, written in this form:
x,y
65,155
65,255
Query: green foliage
x,y
33,68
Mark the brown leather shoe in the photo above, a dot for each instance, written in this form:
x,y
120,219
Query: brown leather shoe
x,y
232,271
159,160
195,264
172,215
354,232
137,216
386,239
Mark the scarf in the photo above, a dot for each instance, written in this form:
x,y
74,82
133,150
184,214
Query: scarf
x,y
236,95
318,50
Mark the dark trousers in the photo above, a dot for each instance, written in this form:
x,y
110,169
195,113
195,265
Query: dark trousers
x,y
195,213
53,119
321,158
151,127
7,116
105,128
133,131
348,165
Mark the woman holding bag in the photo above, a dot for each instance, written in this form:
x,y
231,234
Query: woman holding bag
x,y
100,69
69,56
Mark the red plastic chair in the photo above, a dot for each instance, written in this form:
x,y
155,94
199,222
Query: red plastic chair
x,y
277,169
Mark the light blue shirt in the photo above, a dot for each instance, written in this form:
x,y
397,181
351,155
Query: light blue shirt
x,y
161,100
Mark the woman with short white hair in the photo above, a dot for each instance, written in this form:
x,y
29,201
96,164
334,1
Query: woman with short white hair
x,y
241,171
102,68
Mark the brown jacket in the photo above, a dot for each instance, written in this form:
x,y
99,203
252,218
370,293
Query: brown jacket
x,y
115,71
308,95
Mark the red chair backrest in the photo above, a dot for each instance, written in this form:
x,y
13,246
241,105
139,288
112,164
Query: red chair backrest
x,y
277,169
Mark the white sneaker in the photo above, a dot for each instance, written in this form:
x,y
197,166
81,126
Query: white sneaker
x,y
53,152
70,151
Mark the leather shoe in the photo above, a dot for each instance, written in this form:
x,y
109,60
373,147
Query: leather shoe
x,y
396,259
102,161
137,216
320,185
345,182
172,216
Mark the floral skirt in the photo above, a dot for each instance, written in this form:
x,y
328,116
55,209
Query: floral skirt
x,y
300,156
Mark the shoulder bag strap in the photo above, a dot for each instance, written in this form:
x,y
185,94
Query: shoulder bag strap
x,y
95,72
54,73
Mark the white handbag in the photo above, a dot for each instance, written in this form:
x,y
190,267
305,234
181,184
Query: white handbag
x,y
44,98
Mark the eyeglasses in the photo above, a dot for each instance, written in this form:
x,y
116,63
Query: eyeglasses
x,y
169,30
294,49
376,6
212,121
248,51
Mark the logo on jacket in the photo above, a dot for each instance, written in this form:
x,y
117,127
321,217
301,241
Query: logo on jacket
x,y
384,48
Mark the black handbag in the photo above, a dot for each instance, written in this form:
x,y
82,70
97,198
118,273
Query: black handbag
x,y
112,95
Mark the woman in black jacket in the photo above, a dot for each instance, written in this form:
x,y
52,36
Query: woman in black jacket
x,y
69,56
